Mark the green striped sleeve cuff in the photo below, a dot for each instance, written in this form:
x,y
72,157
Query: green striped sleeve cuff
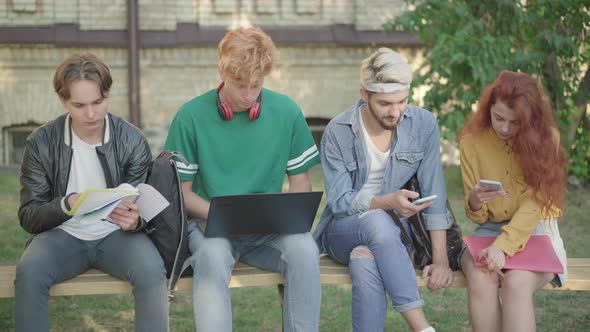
x,y
303,158
188,169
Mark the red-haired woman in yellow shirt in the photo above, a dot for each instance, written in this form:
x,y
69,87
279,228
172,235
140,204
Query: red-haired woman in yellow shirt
x,y
513,139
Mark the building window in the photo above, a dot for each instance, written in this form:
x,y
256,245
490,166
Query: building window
x,y
24,6
14,143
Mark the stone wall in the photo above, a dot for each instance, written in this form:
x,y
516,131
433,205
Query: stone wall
x,y
322,78
324,81
165,14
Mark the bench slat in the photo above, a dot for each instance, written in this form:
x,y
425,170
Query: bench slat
x,y
575,262
95,282
578,278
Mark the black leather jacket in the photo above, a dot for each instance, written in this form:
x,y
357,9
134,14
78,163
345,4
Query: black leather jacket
x,y
45,169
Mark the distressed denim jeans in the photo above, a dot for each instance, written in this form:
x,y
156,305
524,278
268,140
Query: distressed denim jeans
x,y
383,267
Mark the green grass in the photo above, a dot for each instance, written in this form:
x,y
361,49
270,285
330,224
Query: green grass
x,y
257,308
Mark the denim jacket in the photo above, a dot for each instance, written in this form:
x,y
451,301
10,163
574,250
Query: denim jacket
x,y
416,150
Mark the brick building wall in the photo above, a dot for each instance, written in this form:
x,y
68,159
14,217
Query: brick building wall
x,y
321,77
165,14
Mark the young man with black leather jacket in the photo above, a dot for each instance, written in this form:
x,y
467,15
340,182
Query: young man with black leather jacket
x,y
85,148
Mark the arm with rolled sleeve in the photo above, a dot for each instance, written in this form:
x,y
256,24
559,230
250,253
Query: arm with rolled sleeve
x,y
432,181
437,219
360,203
342,198
516,234
471,175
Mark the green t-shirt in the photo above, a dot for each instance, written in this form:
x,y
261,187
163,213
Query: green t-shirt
x,y
241,156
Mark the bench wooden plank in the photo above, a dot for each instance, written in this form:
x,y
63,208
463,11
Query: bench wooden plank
x,y
575,262
578,278
95,282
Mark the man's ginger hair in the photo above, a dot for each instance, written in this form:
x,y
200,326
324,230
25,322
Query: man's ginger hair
x,y
246,55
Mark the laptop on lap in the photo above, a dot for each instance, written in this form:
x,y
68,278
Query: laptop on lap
x,y
275,213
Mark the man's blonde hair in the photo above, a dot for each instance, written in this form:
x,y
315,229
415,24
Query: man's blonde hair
x,y
246,55
386,67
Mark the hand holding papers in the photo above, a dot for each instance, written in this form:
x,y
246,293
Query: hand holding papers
x,y
150,202
93,200
99,203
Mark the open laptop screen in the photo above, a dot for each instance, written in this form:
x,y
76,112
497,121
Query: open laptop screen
x,y
276,213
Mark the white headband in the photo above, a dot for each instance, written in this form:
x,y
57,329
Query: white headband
x,y
386,87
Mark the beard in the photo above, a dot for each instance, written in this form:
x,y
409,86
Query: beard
x,y
386,122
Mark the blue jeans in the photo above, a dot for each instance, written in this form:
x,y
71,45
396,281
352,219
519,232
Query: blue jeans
x,y
384,267
295,256
55,256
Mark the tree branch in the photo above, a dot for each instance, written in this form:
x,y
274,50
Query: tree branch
x,y
553,75
580,103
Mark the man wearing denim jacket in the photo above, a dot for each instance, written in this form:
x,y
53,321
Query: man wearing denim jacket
x,y
368,153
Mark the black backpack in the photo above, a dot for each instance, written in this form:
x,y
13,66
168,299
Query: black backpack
x,y
419,236
168,230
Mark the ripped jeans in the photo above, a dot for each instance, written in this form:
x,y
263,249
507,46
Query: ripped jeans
x,y
370,244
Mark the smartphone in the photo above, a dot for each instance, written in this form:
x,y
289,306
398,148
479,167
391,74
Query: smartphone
x,y
492,185
424,199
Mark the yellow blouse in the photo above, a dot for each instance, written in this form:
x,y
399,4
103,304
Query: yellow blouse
x,y
485,156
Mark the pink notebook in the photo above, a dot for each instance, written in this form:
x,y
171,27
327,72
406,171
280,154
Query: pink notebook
x,y
538,254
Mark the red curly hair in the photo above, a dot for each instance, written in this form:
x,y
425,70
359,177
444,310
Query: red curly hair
x,y
542,156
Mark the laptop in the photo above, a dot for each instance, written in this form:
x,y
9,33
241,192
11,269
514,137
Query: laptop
x,y
275,213
538,255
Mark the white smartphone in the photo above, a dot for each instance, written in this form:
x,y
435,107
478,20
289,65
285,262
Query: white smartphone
x,y
424,199
492,185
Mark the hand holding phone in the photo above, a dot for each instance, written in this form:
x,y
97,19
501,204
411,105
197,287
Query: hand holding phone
x,y
484,192
424,199
492,185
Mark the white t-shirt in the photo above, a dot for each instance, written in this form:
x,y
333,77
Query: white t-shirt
x,y
376,162
86,172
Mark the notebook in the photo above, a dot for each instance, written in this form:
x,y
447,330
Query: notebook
x,y
538,255
276,213
99,203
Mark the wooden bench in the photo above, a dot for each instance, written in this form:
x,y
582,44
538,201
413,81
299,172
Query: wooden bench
x,y
95,282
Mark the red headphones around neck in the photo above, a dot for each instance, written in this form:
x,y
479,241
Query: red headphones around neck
x,y
225,110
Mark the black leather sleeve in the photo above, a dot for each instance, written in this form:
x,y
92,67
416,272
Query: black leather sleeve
x,y
139,160
39,210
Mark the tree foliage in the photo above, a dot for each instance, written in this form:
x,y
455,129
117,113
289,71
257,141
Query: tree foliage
x,y
468,42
